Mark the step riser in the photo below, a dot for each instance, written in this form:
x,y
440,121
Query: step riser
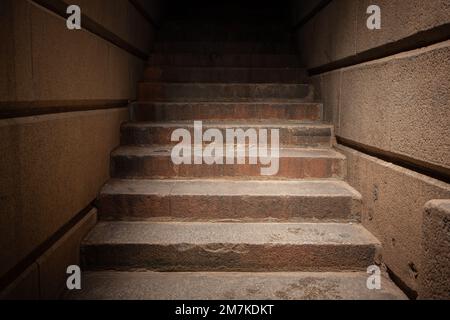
x,y
214,47
298,137
219,92
162,166
229,60
229,257
236,208
226,75
229,111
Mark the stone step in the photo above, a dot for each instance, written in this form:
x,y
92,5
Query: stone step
x,y
117,285
296,163
183,92
292,133
173,111
229,200
225,60
225,75
203,246
222,47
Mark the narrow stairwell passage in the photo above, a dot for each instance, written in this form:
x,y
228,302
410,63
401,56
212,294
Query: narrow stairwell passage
x,y
171,231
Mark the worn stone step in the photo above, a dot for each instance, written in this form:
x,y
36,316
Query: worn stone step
x,y
148,91
292,133
153,162
222,47
229,200
203,246
149,285
224,60
173,111
229,246
225,75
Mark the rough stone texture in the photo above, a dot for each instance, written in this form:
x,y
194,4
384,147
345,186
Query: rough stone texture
x,y
226,200
65,252
339,30
227,110
190,240
330,35
291,133
435,278
328,88
154,162
398,104
110,285
393,201
400,19
52,167
224,75
205,246
121,18
223,92
24,287
32,69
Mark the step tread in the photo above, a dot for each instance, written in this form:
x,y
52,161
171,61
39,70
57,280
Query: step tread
x,y
152,151
250,123
226,84
203,233
248,101
236,68
111,285
222,187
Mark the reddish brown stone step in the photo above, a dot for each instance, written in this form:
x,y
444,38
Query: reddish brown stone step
x,y
172,111
291,133
149,285
153,162
189,246
229,200
225,75
224,60
148,91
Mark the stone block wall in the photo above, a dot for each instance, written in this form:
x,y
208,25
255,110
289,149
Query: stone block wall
x,y
387,93
63,96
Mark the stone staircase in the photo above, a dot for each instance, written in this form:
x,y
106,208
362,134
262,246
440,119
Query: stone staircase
x,y
171,231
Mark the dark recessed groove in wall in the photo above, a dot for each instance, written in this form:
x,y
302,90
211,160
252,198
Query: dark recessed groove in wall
x,y
415,41
29,109
311,14
144,13
410,293
25,263
59,7
427,169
